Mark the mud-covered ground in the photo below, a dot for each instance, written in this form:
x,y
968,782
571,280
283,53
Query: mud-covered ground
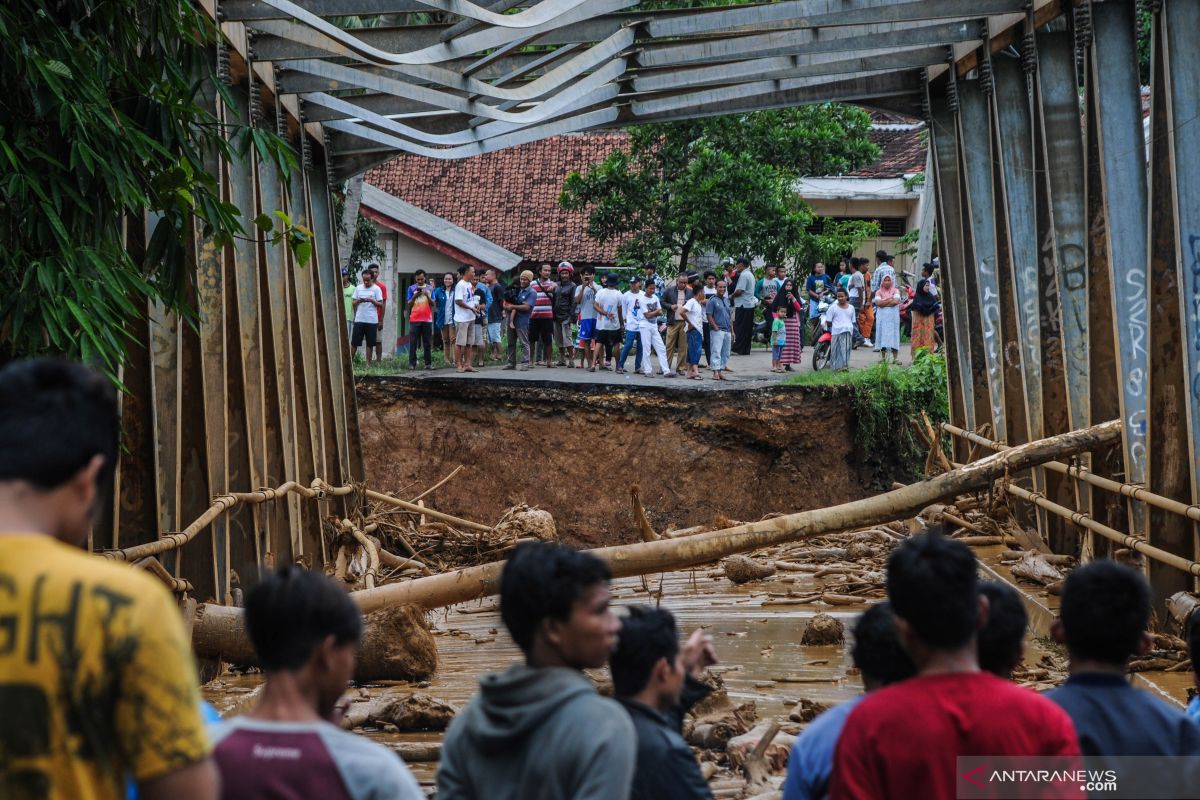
x,y
577,450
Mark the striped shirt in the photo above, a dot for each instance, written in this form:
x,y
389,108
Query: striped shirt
x,y
544,307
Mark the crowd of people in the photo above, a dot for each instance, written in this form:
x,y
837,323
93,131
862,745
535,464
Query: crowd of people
x,y
573,318
99,692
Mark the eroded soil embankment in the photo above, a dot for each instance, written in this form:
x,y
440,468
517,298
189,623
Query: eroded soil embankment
x,y
576,450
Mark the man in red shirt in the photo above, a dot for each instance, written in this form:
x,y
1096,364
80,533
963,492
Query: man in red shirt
x,y
903,741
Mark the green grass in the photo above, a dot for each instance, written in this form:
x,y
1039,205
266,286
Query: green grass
x,y
883,398
394,366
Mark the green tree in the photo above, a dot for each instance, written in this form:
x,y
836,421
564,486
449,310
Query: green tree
x,y
722,183
106,117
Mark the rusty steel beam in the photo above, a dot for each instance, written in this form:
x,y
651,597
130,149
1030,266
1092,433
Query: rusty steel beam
x,y
944,139
949,225
1016,235
277,360
1014,137
1102,372
164,378
980,216
1181,76
1009,335
242,272
1121,148
1167,453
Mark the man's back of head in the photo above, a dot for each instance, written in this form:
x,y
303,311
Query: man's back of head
x,y
933,589
1103,622
97,681
877,651
1002,640
58,445
305,626
1105,611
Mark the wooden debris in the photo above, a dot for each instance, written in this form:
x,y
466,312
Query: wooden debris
x,y
639,516
807,710
418,752
1032,566
742,569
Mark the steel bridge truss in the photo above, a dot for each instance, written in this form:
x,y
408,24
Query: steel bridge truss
x,y
1068,220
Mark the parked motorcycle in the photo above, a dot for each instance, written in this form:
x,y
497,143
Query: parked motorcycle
x,y
822,342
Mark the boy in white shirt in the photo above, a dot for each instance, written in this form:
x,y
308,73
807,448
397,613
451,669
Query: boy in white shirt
x,y
466,311
367,302
651,337
631,315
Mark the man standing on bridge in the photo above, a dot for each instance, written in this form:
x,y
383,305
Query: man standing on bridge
x,y
744,303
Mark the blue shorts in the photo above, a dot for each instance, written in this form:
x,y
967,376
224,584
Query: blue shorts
x,y
587,331
695,343
493,332
776,352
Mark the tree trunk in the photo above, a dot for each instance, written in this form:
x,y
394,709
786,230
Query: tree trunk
x,y
217,630
686,252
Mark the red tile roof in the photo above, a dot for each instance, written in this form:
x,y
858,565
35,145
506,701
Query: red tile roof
x,y
901,152
510,196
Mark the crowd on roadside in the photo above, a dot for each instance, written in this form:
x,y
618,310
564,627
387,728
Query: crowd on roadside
x,y
560,316
100,697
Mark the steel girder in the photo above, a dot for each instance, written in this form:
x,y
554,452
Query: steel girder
x,y
975,150
945,151
1171,289
1122,174
677,64
1181,97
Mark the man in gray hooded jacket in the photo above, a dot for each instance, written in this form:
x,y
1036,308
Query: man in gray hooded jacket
x,y
539,730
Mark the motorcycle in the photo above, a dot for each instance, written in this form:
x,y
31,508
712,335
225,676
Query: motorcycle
x,y
822,343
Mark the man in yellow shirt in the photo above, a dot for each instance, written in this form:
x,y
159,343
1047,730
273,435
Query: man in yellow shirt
x,y
97,681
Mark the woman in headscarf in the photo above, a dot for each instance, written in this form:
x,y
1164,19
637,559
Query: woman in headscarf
x,y
887,319
923,312
787,305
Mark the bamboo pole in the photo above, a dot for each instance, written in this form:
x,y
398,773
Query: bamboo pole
x,y
429,512
221,504
1124,539
215,623
1127,489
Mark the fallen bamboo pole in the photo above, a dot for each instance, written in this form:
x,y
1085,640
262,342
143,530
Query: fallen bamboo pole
x,y
1087,476
214,625
429,512
437,485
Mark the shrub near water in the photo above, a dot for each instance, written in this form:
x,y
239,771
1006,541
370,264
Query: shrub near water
x,y
882,398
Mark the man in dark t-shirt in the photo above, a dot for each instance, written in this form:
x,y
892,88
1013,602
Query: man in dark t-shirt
x,y
1103,623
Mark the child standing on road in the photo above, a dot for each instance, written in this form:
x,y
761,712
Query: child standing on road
x,y
778,340
694,315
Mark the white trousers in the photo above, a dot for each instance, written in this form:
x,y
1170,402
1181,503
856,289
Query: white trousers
x,y
652,338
